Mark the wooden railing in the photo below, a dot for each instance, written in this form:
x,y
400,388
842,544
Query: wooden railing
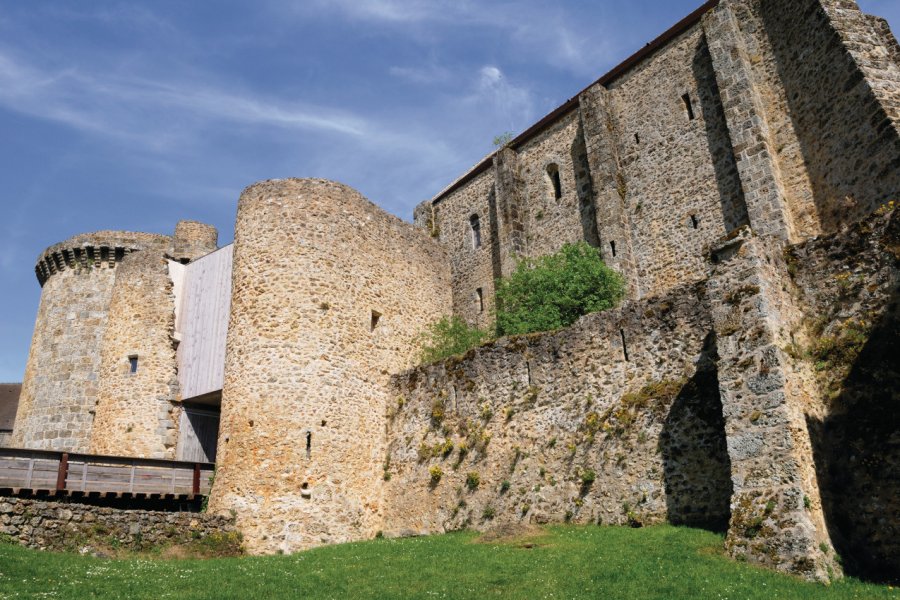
x,y
90,475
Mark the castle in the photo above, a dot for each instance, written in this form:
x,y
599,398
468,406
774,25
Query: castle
x,y
738,173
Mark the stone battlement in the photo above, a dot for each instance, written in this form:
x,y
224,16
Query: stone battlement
x,y
94,250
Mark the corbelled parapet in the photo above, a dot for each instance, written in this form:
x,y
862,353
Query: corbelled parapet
x,y
60,387
94,250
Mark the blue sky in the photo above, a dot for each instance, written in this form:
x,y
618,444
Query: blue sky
x,y
133,115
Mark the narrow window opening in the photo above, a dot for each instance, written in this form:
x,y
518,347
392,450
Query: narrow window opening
x,y
695,223
132,364
479,300
308,443
304,485
624,346
475,224
612,246
689,105
555,181
637,138
373,323
528,371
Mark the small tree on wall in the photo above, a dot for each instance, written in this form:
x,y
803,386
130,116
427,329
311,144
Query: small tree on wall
x,y
553,291
449,337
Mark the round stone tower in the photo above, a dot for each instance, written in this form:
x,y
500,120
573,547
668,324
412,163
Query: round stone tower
x,y
329,293
193,240
60,386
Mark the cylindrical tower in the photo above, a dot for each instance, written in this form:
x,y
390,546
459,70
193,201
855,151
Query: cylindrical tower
x,y
59,390
329,293
193,240
138,377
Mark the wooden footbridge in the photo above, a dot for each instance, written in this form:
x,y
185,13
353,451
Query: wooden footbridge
x,y
45,473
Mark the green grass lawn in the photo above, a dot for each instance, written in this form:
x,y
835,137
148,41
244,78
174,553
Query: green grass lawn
x,y
563,562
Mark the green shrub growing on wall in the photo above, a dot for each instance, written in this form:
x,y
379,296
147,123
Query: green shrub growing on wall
x,y
449,337
553,291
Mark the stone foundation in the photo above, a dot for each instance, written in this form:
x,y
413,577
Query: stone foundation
x,y
74,527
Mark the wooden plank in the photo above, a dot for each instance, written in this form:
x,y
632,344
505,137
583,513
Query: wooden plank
x,y
202,321
49,457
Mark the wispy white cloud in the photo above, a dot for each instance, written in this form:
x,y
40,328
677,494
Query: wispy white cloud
x,y
149,111
549,33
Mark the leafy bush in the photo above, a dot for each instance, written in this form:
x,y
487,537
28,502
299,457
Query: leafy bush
x,y
473,479
553,291
587,476
435,474
449,337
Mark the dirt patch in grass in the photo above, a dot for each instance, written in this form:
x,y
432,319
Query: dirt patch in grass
x,y
520,535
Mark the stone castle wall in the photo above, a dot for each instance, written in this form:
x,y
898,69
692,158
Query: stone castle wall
x,y
193,240
329,294
614,420
847,287
715,128
757,398
61,383
74,527
471,268
743,382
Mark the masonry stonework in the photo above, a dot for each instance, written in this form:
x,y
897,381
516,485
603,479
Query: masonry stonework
x,y
61,384
136,411
584,425
329,294
80,527
737,171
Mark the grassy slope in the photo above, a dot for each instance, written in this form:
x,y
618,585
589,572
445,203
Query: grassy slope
x,y
568,562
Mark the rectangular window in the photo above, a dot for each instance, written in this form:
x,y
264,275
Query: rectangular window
x,y
479,300
689,105
132,363
475,224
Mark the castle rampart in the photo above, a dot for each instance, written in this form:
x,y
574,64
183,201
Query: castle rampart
x,y
586,424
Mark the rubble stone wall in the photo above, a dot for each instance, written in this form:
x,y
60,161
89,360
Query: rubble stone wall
x,y
329,296
70,526
842,97
61,383
136,414
472,268
614,420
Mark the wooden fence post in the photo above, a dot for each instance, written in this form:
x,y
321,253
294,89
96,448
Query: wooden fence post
x,y
196,486
63,472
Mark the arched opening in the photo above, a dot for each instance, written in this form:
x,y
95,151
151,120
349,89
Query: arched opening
x,y
555,182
